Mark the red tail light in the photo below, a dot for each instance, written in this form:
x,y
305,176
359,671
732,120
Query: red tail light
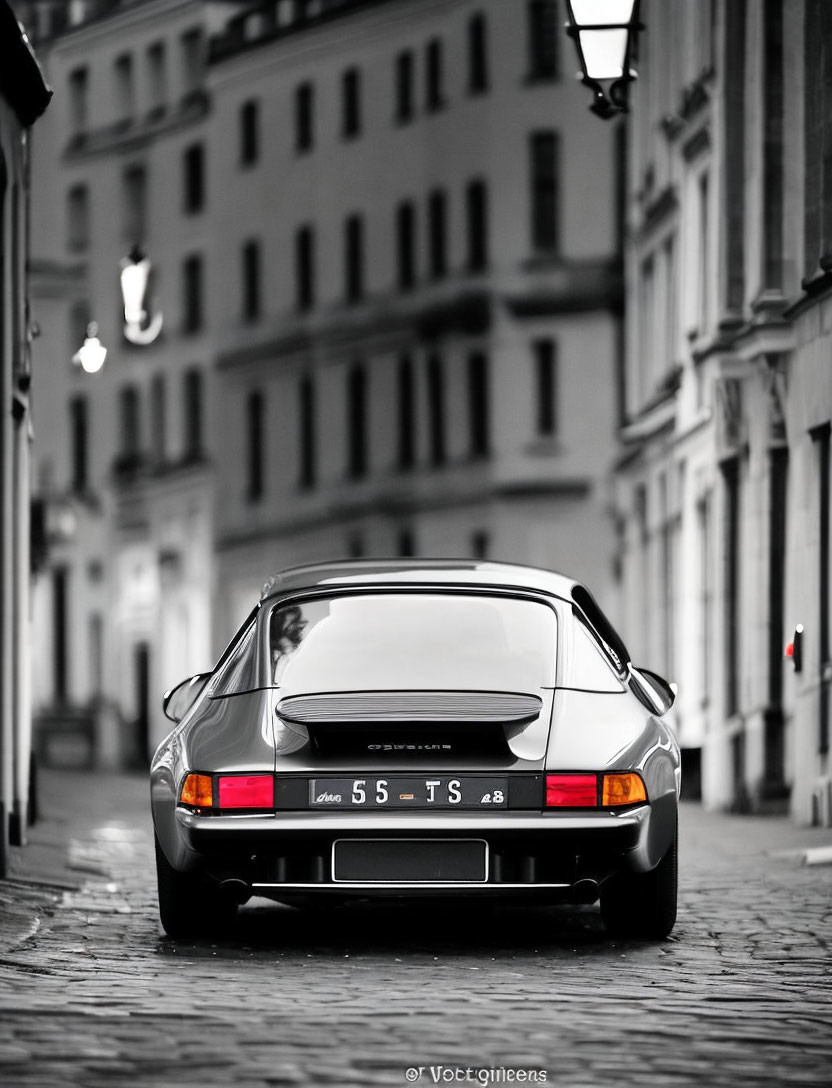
x,y
246,791
571,791
582,790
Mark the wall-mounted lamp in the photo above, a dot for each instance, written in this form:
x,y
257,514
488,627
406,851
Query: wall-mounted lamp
x,y
139,327
92,353
604,32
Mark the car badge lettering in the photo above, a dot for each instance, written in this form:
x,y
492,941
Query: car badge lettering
x,y
410,747
328,798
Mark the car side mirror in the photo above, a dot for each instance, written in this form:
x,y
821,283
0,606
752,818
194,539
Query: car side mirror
x,y
179,700
654,688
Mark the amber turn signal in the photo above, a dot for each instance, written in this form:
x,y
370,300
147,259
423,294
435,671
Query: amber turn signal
x,y
622,789
197,791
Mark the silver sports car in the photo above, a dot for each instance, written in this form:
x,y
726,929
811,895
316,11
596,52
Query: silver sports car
x,y
411,728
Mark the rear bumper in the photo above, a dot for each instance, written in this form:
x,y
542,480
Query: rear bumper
x,y
528,852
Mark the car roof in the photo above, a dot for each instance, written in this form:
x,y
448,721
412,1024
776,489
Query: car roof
x,y
462,572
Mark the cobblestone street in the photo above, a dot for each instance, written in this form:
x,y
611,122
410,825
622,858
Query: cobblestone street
x,y
92,994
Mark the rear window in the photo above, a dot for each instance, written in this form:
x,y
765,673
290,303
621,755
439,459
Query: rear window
x,y
408,641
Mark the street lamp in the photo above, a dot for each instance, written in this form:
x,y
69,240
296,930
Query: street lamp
x,y
135,273
604,32
92,353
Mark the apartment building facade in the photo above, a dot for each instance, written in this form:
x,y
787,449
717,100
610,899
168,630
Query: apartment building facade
x,y
722,483
432,370
123,459
24,96
384,239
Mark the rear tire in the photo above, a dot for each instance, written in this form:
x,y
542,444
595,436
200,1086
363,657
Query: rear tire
x,y
189,905
643,904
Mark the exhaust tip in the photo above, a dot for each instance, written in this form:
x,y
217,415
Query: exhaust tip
x,y
585,890
237,889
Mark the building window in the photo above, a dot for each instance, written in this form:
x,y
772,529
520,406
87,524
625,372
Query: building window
x,y
407,414
134,205
251,277
406,245
193,414
821,440
480,542
193,61
96,644
646,361
306,407
157,78
255,432
79,319
351,103
354,258
406,543
193,176
703,255
404,87
304,106
78,218
545,387
772,128
773,746
357,422
249,132
78,100
437,234
667,576
158,418
305,268
192,294
355,546
544,150
60,627
434,93
478,404
79,444
706,595
476,214
731,478
477,55
124,91
436,410
542,39
644,549
669,309
129,421
817,138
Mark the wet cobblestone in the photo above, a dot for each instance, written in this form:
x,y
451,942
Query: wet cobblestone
x,y
92,994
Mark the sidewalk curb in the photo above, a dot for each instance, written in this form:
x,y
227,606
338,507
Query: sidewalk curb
x,y
818,855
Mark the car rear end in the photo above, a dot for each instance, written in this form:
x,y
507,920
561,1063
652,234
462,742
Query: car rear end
x,y
413,740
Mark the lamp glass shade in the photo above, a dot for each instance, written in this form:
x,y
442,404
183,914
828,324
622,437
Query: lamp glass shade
x,y
133,286
602,12
604,52
91,355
